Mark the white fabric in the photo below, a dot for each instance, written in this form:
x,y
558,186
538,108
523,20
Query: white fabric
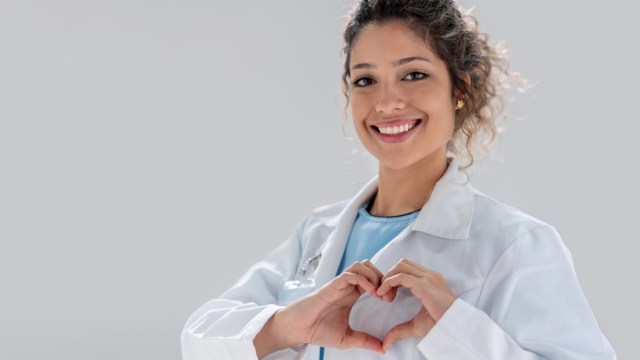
x,y
518,296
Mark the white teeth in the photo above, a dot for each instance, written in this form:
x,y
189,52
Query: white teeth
x,y
393,130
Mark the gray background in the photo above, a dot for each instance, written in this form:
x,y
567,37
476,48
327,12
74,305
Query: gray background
x,y
151,151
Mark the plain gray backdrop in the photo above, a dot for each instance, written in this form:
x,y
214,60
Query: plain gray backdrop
x,y
151,151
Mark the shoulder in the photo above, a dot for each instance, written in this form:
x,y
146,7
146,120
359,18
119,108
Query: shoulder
x,y
325,215
329,212
490,211
323,218
503,225
506,239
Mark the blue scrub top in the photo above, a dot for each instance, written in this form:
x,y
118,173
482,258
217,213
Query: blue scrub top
x,y
368,235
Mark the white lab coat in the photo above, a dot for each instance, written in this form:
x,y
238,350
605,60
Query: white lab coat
x,y
517,293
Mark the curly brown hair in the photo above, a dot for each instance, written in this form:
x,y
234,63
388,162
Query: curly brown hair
x,y
476,69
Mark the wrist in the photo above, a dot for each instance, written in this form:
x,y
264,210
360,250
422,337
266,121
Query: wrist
x,y
274,336
286,337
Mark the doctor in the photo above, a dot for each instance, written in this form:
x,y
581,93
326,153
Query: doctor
x,y
419,264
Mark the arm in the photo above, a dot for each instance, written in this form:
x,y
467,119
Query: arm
x,y
322,317
225,328
531,307
245,323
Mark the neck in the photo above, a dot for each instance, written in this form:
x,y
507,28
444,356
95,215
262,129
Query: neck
x,y
401,191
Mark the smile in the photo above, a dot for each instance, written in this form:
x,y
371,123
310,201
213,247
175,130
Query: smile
x,y
395,131
396,127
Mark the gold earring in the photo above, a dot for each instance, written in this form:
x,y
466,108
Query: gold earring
x,y
459,104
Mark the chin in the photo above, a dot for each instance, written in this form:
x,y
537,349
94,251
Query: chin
x,y
396,165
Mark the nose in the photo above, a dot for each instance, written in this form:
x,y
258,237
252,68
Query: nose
x,y
390,99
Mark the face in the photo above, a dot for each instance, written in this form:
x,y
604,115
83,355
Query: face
x,y
400,96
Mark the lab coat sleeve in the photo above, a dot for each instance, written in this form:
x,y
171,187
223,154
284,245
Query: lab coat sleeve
x,y
224,328
530,307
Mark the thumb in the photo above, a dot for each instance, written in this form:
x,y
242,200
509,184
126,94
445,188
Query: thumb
x,y
398,332
358,339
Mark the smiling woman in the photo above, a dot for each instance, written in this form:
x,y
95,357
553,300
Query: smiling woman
x,y
402,103
419,264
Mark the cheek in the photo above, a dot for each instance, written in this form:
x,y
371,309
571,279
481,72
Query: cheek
x,y
433,100
360,109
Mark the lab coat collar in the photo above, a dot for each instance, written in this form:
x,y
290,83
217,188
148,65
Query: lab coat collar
x,y
447,214
449,210
337,241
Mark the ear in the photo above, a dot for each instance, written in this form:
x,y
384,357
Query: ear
x,y
458,93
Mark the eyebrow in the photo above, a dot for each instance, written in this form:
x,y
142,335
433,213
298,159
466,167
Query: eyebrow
x,y
394,63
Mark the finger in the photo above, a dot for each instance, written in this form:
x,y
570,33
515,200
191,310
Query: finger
x,y
357,280
398,332
367,269
412,264
371,266
432,291
421,285
375,276
357,339
419,326
405,266
390,295
363,269
402,279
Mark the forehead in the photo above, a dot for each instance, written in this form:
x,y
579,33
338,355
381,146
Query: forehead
x,y
388,41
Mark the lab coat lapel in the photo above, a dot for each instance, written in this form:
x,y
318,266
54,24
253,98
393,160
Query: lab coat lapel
x,y
337,240
447,214
449,210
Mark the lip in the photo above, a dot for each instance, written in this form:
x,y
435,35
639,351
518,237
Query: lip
x,y
395,138
395,122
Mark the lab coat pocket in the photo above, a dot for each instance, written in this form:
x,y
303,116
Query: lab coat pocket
x,y
303,284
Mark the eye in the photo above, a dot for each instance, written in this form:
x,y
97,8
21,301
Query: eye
x,y
415,75
363,81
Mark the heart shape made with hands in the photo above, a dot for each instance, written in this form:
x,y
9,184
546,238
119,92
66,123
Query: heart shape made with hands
x,y
427,286
391,320
341,294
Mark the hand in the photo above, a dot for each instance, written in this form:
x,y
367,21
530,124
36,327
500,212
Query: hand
x,y
428,286
322,318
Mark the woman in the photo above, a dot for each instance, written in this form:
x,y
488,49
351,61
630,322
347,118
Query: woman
x,y
418,264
